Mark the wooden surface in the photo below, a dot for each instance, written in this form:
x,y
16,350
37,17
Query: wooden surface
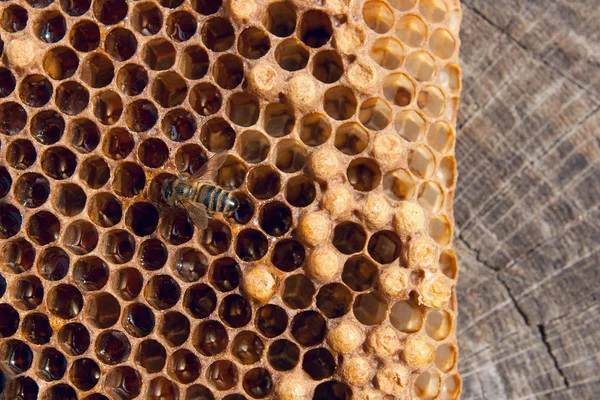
x,y
527,208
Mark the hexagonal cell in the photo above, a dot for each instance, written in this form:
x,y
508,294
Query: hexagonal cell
x,y
53,263
51,365
200,300
399,185
378,16
91,273
205,99
110,12
176,228
427,385
228,71
363,174
181,26
14,18
340,103
8,83
334,300
308,328
300,191
245,210
315,129
222,375
251,245
50,27
5,182
84,373
151,356
258,383
327,66
112,347
235,311
440,136
17,255
431,101
247,347
275,218
411,30
58,162
253,146
141,115
359,273
217,135
102,310
439,324
80,237
174,328
13,118
64,301
85,36
446,172
194,62
445,357
450,77
410,125
184,366
271,320
351,138
84,135
127,283
142,218
75,8
190,158
105,210
263,182
375,114
280,19
399,89
369,309
198,391
117,143
210,338
384,247
162,292
159,54
253,43
138,320
32,189
407,316
218,34
129,179
118,246
9,321
243,109
147,18
349,237
169,89
36,328
74,338
190,264
319,363
153,153
315,28
125,383
283,355
216,238
204,7
448,264
298,292
179,125
35,90
388,52
21,387
59,63
97,70
431,196
60,391
292,55
132,79
10,221
421,66
20,154
43,228
288,255
290,156
108,107
120,44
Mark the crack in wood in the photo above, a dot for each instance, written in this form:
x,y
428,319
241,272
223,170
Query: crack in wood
x,y
542,331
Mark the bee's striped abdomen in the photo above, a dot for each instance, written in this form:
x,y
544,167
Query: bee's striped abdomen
x,y
211,196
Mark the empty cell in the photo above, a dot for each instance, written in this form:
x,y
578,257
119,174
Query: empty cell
x,y
411,30
327,66
80,237
340,103
72,98
8,82
169,89
50,27
118,246
35,90
315,129
141,115
74,339
451,77
153,254
290,156
315,28
308,328
247,347
175,328
216,238
300,191
271,320
162,292
205,99
94,171
97,70
427,385
153,153
280,18
75,8
445,357
190,158
64,300
10,221
375,114
132,79
13,118
235,311
448,264
108,107
110,12
332,390
105,210
384,247
194,62
112,347
218,34
253,43
431,196
32,189
431,101
179,125
263,182
90,273
225,274
369,309
60,391
378,16
147,18
58,162
440,136
14,18
298,291
127,283
17,255
399,89
120,44
410,125
421,66
258,383
84,135
253,146
446,172
181,26
279,120
60,63
176,228
359,273
129,179
36,328
292,55
151,356
288,255
184,366
399,185
407,316
439,324
27,292
217,135
351,138
334,300
20,154
142,218
318,363
85,36
53,263
228,71
123,382
283,355
275,218
200,300
43,228
349,237
205,7
222,375
388,52
243,109
5,182
364,174
190,264
210,338
159,54
433,10
84,373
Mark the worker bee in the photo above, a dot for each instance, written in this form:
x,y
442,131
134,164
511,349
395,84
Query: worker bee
x,y
198,195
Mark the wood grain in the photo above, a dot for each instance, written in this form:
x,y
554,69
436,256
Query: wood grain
x,y
527,207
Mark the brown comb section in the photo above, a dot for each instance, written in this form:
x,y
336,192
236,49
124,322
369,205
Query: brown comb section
x,y
334,279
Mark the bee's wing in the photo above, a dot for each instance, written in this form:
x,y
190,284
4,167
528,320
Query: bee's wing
x,y
210,168
196,212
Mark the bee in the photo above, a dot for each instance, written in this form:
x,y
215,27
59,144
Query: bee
x,y
198,195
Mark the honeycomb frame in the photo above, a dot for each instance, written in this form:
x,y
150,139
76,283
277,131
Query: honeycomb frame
x,y
335,279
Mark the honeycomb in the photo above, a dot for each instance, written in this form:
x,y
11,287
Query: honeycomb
x,y
335,277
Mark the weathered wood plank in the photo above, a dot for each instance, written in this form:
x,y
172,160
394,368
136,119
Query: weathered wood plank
x,y
528,202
